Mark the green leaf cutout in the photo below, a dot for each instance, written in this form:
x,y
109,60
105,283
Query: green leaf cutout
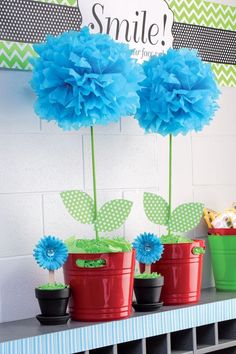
x,y
80,206
186,216
113,214
156,208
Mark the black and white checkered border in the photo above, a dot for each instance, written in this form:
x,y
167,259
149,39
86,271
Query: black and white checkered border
x,y
214,45
31,21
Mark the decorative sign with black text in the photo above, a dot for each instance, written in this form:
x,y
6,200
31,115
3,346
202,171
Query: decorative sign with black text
x,y
145,26
148,27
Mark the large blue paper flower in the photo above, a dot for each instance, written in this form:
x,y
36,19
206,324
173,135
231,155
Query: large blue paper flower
x,y
148,248
82,79
50,253
178,94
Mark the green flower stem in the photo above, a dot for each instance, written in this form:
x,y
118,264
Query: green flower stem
x,y
147,268
170,182
51,277
94,182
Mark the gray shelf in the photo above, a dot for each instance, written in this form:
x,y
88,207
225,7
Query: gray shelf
x,y
206,327
199,340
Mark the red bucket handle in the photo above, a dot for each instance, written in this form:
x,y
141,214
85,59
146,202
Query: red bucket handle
x,y
91,263
197,251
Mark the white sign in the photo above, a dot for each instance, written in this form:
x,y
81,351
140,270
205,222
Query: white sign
x,y
144,25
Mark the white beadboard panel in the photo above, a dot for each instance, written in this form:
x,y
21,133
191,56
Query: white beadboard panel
x,y
137,222
52,127
16,102
57,220
181,169
18,279
34,162
224,121
213,160
122,161
20,223
131,126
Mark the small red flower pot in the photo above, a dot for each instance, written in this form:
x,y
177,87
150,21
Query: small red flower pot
x,y
182,271
104,293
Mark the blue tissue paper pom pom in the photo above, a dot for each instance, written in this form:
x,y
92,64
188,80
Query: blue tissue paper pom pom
x,y
50,253
178,94
148,248
82,79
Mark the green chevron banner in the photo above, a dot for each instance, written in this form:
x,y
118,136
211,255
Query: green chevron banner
x,y
204,13
15,53
215,16
204,25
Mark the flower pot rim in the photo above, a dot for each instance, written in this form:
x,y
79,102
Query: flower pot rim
x,y
53,293
100,253
153,282
221,232
185,244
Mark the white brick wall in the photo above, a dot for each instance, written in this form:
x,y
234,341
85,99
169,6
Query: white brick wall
x,y
38,160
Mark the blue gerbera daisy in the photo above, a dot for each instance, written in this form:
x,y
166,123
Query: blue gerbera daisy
x,y
148,248
50,253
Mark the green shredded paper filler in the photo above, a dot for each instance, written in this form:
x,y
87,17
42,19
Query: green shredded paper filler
x,y
56,286
170,239
98,263
103,245
153,275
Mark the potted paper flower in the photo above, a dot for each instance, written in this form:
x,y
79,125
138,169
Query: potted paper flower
x,y
82,80
51,253
147,285
177,96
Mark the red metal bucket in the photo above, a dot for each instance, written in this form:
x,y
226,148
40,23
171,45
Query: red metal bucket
x,y
222,232
104,293
182,271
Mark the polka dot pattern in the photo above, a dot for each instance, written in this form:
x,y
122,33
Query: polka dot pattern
x,y
113,214
31,21
156,208
186,216
80,206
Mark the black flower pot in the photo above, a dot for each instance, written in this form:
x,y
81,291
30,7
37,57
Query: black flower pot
x,y
53,305
148,291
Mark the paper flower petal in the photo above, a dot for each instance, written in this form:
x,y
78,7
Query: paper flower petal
x,y
178,94
82,79
50,253
148,248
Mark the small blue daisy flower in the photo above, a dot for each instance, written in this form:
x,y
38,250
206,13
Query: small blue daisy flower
x,y
148,248
50,253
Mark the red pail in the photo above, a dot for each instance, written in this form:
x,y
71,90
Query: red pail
x,y
182,271
222,232
104,293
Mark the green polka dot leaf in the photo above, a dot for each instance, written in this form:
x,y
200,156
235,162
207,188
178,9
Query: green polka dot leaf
x,y
113,214
186,216
80,206
156,208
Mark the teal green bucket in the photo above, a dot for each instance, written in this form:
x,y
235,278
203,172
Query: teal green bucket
x,y
223,257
